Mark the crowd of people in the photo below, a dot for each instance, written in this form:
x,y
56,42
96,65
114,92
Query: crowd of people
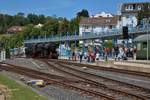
x,y
116,53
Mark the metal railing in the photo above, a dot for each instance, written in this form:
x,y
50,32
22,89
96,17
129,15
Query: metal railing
x,y
105,34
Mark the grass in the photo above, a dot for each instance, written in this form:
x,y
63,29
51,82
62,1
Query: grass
x,y
19,92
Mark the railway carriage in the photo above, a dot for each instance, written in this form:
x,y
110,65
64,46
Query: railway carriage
x,y
141,43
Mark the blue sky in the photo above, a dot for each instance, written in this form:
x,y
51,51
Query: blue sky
x,y
61,8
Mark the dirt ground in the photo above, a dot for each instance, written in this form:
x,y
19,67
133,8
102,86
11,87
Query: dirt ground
x,y
5,93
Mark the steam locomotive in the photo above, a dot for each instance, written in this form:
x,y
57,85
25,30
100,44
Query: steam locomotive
x,y
41,50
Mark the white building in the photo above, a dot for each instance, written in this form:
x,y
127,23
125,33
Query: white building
x,y
39,25
102,14
129,13
98,25
104,22
2,55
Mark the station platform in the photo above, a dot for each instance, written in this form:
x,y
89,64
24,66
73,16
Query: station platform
x,y
132,65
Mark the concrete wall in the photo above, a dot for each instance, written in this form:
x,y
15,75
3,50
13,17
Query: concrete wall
x,y
2,55
96,29
129,20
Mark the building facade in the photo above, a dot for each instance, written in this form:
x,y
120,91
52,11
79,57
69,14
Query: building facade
x,y
15,29
102,14
106,22
129,13
99,24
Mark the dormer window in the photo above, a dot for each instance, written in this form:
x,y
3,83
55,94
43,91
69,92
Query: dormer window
x,y
129,7
139,7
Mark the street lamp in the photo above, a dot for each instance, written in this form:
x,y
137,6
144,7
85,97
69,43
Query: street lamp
x,y
147,39
146,22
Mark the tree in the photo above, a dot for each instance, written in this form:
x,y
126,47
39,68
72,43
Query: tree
x,y
63,25
19,20
83,13
35,32
20,14
5,21
51,26
108,44
42,19
74,26
144,13
33,19
27,31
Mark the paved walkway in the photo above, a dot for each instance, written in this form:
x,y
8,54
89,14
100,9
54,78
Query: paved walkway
x,y
133,65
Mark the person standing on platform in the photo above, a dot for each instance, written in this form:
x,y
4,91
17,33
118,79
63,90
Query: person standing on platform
x,y
81,56
116,49
73,55
134,53
97,57
106,50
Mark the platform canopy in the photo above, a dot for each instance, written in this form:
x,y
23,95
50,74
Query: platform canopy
x,y
142,38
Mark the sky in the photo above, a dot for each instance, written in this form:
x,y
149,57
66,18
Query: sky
x,y
61,8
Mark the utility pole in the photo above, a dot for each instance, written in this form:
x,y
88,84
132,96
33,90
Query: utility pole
x,y
147,24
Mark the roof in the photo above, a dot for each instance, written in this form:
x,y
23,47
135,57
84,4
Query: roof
x,y
15,29
135,5
142,38
100,21
39,25
103,14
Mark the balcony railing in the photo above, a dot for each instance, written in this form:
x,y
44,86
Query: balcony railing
x,y
87,36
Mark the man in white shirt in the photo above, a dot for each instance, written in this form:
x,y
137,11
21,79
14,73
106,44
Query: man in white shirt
x,y
97,57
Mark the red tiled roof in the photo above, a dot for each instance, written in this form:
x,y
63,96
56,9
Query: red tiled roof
x,y
100,21
15,29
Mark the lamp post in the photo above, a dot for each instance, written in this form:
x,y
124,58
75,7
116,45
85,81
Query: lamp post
x,y
146,22
147,39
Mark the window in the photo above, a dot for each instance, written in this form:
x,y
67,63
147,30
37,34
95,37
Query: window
x,y
144,45
103,27
138,46
127,16
134,7
110,27
139,7
129,7
86,27
94,27
126,7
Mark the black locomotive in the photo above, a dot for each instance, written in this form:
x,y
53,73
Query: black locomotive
x,y
41,50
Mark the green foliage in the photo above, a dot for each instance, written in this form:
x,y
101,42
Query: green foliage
x,y
51,25
19,20
144,13
33,18
74,25
108,44
5,21
63,25
19,92
83,13
28,30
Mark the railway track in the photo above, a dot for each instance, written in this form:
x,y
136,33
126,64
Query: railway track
x,y
107,69
104,83
52,79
